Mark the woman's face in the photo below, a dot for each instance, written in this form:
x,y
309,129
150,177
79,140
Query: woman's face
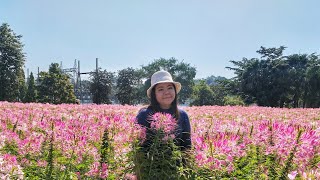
x,y
165,94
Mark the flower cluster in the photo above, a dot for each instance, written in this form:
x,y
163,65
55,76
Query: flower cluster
x,y
63,140
163,121
98,170
9,167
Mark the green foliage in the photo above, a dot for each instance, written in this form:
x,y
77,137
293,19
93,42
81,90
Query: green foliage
x,y
9,148
202,95
251,165
12,59
101,86
22,86
162,159
233,101
312,95
108,157
50,157
271,53
105,147
32,94
191,170
278,81
297,78
220,87
55,87
107,152
126,86
288,163
213,80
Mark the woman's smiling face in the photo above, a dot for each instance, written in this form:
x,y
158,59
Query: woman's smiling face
x,y
165,94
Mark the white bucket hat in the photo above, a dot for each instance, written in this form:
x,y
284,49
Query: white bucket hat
x,y
162,77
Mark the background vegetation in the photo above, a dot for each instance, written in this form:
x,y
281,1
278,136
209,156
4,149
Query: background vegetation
x,y
273,80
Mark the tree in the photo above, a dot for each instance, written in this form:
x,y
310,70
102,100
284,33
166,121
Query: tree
x,y
213,80
202,95
185,74
271,53
12,58
141,86
55,87
251,79
101,86
297,77
126,86
233,101
274,89
220,90
259,78
279,81
312,91
180,71
31,95
22,85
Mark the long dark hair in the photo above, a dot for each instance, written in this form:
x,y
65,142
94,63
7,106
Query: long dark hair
x,y
155,106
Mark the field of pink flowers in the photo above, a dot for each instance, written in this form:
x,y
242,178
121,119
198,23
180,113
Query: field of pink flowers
x,y
43,141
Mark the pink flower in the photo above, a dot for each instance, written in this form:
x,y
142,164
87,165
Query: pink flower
x,y
9,167
292,175
142,133
104,171
164,122
78,175
94,170
42,163
97,170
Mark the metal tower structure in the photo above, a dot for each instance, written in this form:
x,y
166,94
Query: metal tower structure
x,y
72,72
75,76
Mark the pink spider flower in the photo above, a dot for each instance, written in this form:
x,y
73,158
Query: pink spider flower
x,y
164,122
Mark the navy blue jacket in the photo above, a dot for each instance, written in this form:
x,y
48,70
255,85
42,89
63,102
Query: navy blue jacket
x,y
183,131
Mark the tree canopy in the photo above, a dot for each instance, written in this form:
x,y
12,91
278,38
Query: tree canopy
x,y
12,59
55,87
31,95
126,86
102,83
276,80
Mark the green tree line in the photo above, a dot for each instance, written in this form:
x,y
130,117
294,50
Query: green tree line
x,y
276,80
273,80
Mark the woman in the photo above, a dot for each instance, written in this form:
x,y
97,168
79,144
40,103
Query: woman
x,y
163,96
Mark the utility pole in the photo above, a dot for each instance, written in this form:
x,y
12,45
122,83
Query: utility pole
x,y
97,67
38,76
81,99
27,75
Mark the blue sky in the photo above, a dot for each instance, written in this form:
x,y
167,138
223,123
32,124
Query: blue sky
x,y
207,34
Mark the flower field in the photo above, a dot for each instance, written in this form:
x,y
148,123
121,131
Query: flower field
x,y
43,141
